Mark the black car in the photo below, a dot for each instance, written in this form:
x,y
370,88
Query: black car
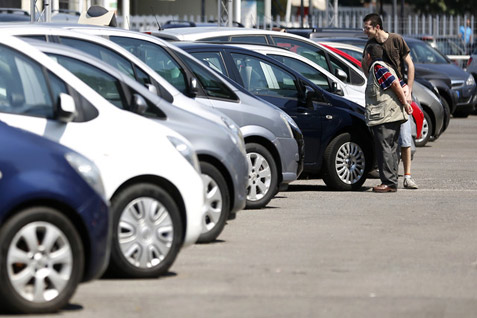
x,y
428,60
338,144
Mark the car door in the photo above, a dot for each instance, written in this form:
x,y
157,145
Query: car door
x,y
276,85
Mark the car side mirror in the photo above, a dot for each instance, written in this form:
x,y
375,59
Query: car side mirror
x,y
341,74
335,89
194,89
139,104
152,88
310,96
66,108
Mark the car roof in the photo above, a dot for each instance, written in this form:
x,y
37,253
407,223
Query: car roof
x,y
197,33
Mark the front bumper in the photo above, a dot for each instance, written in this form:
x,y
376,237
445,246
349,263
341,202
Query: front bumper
x,y
98,222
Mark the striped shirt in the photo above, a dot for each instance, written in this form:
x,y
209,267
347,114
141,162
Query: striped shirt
x,y
384,77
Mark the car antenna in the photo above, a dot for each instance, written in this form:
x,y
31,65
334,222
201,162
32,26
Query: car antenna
x,y
159,27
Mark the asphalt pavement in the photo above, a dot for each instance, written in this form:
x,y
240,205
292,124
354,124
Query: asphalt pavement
x,y
319,253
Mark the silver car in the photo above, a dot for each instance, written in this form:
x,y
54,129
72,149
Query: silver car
x,y
273,140
221,154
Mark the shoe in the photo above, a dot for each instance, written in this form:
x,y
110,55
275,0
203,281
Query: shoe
x,y
409,183
382,188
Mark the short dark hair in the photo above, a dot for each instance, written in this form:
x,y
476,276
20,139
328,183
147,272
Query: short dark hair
x,y
375,51
374,19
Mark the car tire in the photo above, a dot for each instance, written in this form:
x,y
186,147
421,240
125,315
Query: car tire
x,y
345,163
217,201
262,176
427,129
40,248
147,232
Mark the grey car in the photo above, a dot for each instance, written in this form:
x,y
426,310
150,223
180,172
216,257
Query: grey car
x,y
274,142
222,156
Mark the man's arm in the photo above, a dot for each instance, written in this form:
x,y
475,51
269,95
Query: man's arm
x,y
399,91
410,77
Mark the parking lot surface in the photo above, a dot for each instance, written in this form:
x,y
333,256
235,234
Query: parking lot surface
x,y
319,253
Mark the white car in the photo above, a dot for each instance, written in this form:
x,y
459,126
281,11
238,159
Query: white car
x,y
311,71
150,173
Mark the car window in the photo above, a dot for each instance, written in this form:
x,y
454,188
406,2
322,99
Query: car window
x,y
23,86
102,53
424,53
216,39
212,60
249,39
35,37
304,69
313,53
263,78
357,55
214,87
157,58
103,83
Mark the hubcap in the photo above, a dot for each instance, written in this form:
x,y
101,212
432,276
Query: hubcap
x,y
259,176
213,199
145,232
39,262
425,131
350,163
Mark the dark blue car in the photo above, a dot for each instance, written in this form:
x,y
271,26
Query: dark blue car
x,y
54,222
338,144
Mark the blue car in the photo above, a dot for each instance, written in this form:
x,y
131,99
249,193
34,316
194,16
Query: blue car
x,y
338,144
54,222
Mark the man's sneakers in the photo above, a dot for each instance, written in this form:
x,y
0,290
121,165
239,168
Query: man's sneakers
x,y
409,183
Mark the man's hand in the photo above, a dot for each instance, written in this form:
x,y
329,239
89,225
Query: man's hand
x,y
408,108
407,93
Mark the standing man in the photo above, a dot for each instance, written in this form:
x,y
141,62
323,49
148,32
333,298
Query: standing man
x,y
395,54
386,109
465,34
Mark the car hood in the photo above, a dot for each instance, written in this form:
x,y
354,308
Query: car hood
x,y
450,71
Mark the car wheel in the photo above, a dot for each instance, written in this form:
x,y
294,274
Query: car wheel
x,y
217,201
147,232
426,131
262,176
42,261
345,163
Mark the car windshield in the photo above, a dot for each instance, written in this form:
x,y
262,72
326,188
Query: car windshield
x,y
423,53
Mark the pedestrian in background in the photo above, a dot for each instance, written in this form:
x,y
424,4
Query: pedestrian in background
x,y
386,109
395,54
466,35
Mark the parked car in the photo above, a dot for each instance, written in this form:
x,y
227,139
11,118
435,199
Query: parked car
x,y
317,53
338,142
427,58
14,15
222,156
54,222
274,143
150,173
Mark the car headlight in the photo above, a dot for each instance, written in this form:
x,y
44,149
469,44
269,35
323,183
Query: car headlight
x,y
186,151
87,170
470,80
236,134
